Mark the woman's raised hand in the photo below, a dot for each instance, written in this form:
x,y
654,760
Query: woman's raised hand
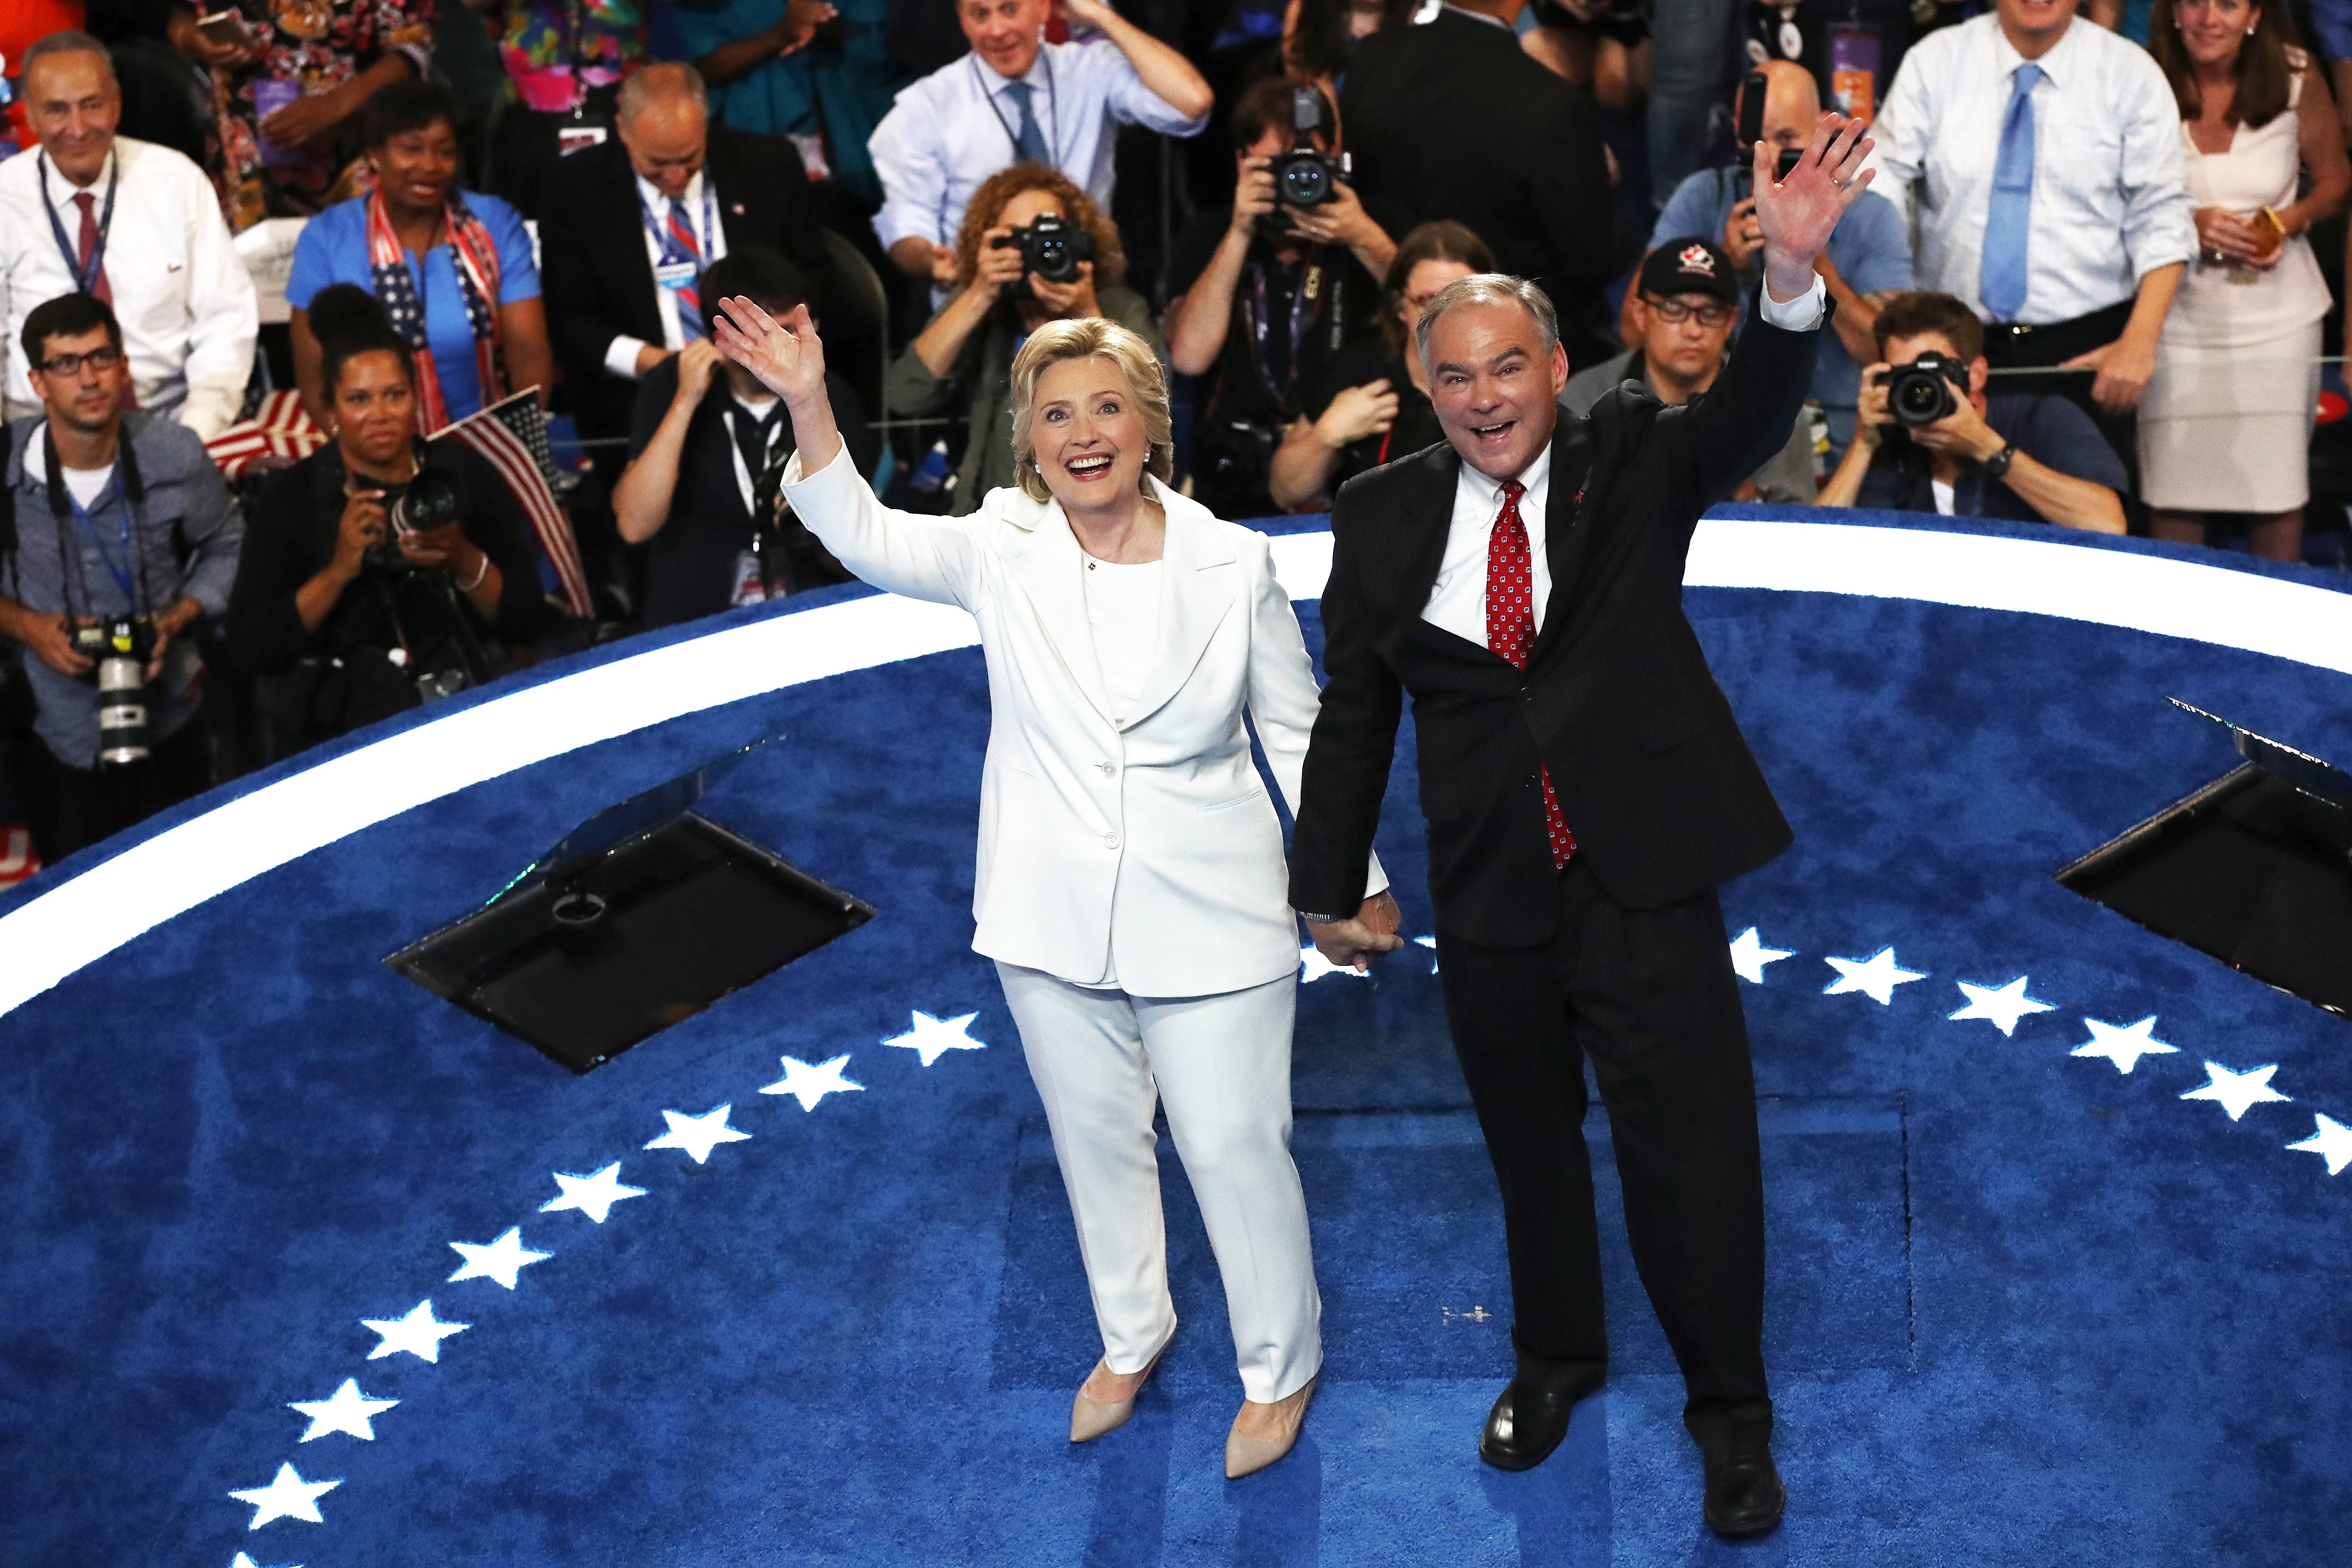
x,y
787,356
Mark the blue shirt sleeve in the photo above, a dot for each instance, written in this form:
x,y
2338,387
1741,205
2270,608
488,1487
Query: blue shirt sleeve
x,y
1697,206
1872,246
2332,20
332,249
2056,433
517,271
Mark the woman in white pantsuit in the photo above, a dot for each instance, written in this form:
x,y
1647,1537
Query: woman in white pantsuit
x,y
1131,884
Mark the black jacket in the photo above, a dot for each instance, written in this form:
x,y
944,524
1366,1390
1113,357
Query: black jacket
x,y
1453,119
1653,775
599,284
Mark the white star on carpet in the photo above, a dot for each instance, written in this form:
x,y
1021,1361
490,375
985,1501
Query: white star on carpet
x,y
2237,1092
809,1083
2332,1143
242,1561
1430,943
1875,976
930,1037
1314,966
698,1135
419,1333
2001,1006
592,1196
1749,955
287,1496
2123,1046
501,1260
346,1410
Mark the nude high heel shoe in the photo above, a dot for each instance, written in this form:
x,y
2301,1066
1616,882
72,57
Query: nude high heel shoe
x,y
1247,1456
1090,1418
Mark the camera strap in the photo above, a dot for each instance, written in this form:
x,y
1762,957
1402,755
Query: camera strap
x,y
1303,304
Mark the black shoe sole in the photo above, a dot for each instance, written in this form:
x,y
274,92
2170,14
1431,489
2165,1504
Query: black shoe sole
x,y
1516,1463
1749,1531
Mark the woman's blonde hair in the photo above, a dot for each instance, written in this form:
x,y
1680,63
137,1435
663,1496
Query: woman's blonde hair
x,y
996,192
1090,338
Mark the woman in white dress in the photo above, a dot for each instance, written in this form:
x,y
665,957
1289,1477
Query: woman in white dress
x,y
1130,883
2225,424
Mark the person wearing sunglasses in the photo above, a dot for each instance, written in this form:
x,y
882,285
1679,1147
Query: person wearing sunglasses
x,y
1679,318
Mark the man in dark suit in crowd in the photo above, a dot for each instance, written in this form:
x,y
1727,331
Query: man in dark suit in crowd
x,y
1453,119
1586,789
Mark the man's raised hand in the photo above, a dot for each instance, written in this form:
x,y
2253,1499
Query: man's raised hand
x,y
787,356
1798,214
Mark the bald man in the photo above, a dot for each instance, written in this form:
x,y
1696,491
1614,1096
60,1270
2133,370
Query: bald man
x,y
1869,256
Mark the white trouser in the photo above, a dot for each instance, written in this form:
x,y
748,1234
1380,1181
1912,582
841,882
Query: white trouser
x,y
1221,1065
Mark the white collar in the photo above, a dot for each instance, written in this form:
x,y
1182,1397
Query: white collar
x,y
62,191
1488,492
658,203
1036,76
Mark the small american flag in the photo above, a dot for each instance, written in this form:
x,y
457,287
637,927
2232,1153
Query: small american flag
x,y
512,435
278,429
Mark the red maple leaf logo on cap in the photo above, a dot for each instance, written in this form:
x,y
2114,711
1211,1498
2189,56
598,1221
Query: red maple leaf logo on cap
x,y
1695,258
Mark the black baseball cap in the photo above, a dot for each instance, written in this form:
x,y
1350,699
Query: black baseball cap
x,y
1690,266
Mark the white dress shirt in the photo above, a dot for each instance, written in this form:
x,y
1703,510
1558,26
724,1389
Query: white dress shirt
x,y
621,353
2110,196
186,306
955,127
1457,600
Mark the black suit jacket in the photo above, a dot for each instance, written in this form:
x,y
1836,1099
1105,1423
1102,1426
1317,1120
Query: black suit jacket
x,y
594,270
1653,776
1453,119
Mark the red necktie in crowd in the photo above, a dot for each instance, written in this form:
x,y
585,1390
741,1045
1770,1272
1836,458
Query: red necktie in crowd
x,y
99,286
1511,631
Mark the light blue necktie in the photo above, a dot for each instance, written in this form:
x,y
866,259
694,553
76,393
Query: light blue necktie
x,y
2009,217
1029,145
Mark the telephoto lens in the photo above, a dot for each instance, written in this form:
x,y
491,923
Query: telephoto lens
x,y
123,729
430,502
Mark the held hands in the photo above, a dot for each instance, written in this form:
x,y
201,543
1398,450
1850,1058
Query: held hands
x,y
1357,412
1362,941
1796,216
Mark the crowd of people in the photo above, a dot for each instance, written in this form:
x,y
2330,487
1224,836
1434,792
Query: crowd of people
x,y
2083,289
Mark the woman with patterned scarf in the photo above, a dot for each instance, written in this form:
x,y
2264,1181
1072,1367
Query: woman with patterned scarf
x,y
452,268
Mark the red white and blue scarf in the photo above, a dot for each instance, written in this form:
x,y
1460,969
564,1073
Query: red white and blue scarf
x,y
477,280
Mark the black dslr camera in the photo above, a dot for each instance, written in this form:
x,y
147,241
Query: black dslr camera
x,y
120,647
1051,248
1925,390
429,502
1305,176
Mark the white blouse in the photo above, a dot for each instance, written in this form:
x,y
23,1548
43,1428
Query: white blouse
x,y
1123,608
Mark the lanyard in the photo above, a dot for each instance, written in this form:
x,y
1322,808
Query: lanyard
x,y
120,569
989,98
660,231
742,470
1302,302
85,278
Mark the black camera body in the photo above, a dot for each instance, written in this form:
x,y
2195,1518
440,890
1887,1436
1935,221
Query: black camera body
x,y
1051,248
429,502
1306,176
1924,391
119,649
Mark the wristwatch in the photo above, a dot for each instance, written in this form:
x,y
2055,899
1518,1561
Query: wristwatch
x,y
1997,466
1314,920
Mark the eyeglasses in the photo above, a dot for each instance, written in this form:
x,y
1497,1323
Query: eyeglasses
x,y
70,365
1675,311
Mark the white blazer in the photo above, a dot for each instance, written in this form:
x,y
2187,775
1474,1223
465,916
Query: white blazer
x,y
1154,840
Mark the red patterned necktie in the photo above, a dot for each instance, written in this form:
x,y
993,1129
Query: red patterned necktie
x,y
88,240
689,299
1511,631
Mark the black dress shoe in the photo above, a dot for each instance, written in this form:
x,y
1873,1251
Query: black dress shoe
x,y
1744,1494
1530,1415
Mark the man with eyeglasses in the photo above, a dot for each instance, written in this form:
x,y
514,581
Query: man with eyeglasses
x,y
115,515
1679,316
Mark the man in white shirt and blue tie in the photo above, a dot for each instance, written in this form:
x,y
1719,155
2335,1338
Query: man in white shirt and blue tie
x,y
2041,157
1018,99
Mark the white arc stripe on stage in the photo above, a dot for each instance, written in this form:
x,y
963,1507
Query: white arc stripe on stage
x,y
90,915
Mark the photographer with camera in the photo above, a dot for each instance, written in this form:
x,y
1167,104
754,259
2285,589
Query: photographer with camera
x,y
1269,291
377,575
124,538
1929,439
707,453
1034,249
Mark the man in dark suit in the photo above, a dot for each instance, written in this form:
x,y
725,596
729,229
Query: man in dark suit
x,y
1586,789
1453,119
632,222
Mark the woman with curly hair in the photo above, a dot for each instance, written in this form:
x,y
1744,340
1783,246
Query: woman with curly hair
x,y
967,350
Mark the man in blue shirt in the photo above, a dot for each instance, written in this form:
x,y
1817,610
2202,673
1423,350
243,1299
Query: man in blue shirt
x,y
1869,255
116,515
2026,457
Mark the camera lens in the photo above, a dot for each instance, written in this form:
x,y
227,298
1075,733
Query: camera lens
x,y
1306,182
121,712
431,502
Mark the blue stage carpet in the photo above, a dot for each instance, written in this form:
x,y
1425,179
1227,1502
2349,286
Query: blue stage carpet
x,y
2025,1308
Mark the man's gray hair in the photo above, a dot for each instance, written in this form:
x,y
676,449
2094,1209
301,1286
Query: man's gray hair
x,y
1487,288
69,42
647,87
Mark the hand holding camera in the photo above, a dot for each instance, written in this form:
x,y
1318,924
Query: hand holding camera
x,y
52,641
1357,412
1054,264
1928,400
1742,235
362,528
1253,197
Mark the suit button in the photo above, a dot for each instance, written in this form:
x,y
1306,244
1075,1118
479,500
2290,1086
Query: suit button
x,y
1110,840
